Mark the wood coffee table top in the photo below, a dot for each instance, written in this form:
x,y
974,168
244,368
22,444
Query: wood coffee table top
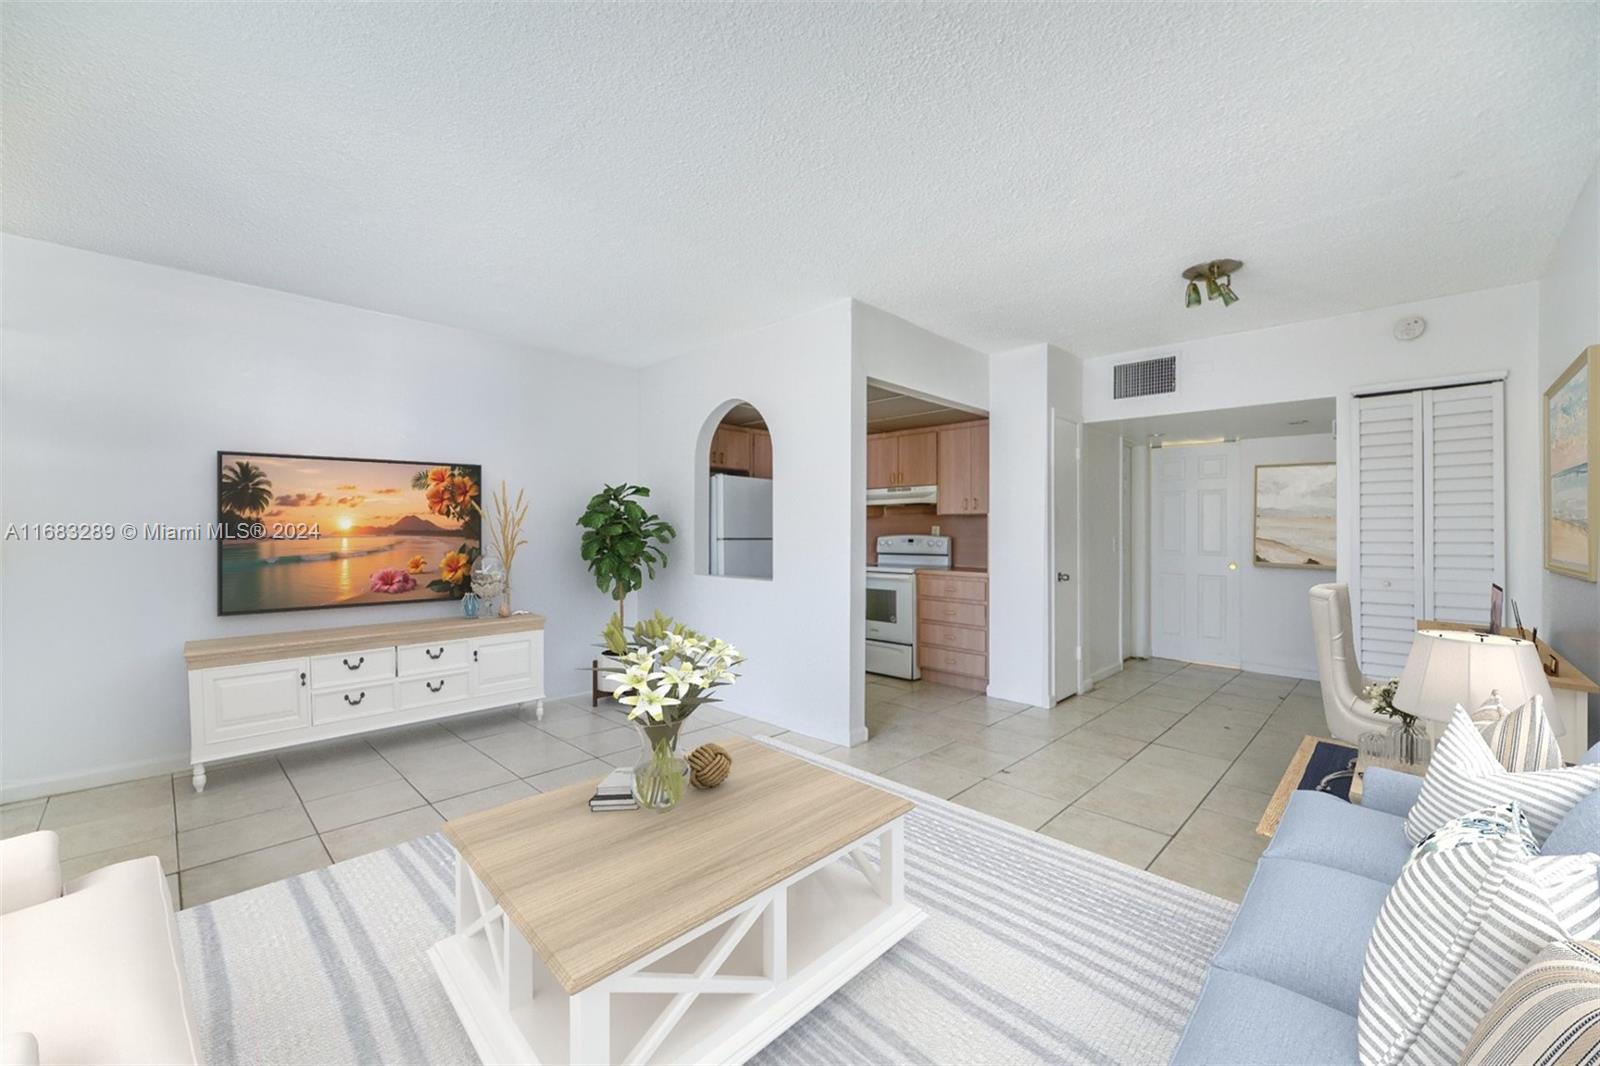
x,y
594,891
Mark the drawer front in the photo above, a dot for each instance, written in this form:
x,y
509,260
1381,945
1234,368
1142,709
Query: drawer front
x,y
954,638
971,590
434,688
353,668
359,701
953,662
434,658
952,612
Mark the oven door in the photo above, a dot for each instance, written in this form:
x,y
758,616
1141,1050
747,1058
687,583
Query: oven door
x,y
892,607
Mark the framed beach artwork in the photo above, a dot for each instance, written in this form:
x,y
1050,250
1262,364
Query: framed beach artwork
x,y
1294,524
1571,449
301,532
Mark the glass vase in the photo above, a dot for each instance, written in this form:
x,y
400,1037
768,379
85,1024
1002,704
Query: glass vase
x,y
469,605
661,775
1410,743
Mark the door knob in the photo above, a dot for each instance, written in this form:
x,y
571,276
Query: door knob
x,y
1063,577
1233,566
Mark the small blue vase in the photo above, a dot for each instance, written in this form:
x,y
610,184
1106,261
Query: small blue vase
x,y
469,605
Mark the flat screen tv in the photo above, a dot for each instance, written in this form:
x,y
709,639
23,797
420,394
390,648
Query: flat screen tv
x,y
303,532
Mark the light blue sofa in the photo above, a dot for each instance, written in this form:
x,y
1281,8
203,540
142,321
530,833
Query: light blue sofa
x,y
1283,987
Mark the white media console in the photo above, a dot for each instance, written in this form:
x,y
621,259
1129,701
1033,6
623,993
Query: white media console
x,y
261,693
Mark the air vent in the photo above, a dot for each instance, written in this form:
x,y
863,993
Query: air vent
x,y
1148,377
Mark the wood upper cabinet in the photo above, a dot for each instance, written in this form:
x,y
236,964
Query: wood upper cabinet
x,y
919,459
902,459
760,453
730,449
964,470
883,460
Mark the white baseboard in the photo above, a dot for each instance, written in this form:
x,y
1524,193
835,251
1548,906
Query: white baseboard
x,y
1104,672
1304,673
34,787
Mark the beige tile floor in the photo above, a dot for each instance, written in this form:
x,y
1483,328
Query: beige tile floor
x,y
1165,766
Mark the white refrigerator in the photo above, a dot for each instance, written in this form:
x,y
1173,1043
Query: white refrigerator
x,y
741,526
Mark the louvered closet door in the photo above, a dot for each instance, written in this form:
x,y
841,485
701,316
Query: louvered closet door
x,y
1463,499
1386,597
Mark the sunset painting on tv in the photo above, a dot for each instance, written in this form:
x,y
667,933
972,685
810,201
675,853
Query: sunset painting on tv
x,y
303,532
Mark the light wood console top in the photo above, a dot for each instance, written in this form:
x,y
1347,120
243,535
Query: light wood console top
x,y
295,644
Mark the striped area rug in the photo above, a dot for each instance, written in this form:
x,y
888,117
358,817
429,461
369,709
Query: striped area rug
x,y
1034,951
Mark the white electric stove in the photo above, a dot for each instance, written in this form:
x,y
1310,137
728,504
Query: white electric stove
x,y
892,601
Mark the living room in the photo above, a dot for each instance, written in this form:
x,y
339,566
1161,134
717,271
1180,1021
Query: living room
x,y
363,368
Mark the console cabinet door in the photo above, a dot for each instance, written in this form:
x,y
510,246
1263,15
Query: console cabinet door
x,y
256,699
509,663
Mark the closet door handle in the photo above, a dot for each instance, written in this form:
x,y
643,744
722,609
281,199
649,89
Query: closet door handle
x,y
354,702
430,653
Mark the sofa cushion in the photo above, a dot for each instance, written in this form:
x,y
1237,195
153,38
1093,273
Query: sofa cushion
x,y
1464,776
1323,829
1242,1020
96,975
1578,831
1304,927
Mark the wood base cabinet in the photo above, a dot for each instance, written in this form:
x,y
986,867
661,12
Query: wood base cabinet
x,y
254,694
953,628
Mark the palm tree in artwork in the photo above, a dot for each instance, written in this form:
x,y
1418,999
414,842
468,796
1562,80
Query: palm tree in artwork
x,y
246,489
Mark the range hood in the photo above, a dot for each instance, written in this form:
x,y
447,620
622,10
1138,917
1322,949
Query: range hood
x,y
899,495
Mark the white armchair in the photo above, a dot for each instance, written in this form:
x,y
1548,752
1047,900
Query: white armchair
x,y
1348,714
93,971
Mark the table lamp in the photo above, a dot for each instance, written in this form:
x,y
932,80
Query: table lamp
x,y
1447,667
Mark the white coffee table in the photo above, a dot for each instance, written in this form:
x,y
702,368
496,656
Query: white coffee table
x,y
747,905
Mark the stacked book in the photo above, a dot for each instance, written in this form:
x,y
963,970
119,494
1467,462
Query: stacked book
x,y
615,792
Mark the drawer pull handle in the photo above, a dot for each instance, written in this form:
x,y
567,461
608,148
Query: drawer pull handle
x,y
354,702
434,688
430,653
348,665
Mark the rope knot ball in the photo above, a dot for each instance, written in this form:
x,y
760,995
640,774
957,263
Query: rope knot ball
x,y
709,765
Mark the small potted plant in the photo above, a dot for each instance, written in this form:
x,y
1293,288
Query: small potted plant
x,y
665,672
622,542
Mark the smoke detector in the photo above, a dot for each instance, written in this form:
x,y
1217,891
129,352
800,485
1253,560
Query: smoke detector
x,y
1410,328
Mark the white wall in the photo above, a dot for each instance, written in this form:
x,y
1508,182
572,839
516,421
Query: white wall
x,y
1100,552
1495,329
120,383
1275,623
803,630
1569,321
895,351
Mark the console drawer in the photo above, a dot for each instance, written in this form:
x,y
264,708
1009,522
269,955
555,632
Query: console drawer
x,y
434,688
960,614
434,658
953,662
374,664
359,701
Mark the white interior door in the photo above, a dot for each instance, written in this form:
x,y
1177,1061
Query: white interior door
x,y
1195,510
1067,669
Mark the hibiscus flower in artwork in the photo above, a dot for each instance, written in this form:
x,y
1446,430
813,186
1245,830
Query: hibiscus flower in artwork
x,y
455,567
416,564
393,580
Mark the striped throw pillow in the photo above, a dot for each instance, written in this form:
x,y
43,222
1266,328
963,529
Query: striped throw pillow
x,y
1548,1016
1464,776
1522,739
1454,931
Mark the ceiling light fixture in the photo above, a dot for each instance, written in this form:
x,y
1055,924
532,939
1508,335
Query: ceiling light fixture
x,y
1218,276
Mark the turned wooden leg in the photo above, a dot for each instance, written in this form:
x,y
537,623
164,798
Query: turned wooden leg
x,y
538,711
199,777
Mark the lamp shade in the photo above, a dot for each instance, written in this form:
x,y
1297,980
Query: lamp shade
x,y
1448,667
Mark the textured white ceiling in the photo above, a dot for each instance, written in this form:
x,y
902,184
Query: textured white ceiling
x,y
624,180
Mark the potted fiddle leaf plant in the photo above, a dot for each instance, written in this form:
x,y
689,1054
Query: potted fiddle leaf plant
x,y
622,542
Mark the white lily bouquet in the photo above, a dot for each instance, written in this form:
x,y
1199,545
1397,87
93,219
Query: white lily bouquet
x,y
667,670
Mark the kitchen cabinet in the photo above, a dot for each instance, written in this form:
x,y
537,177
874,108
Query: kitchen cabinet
x,y
760,453
953,627
902,459
730,449
964,470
